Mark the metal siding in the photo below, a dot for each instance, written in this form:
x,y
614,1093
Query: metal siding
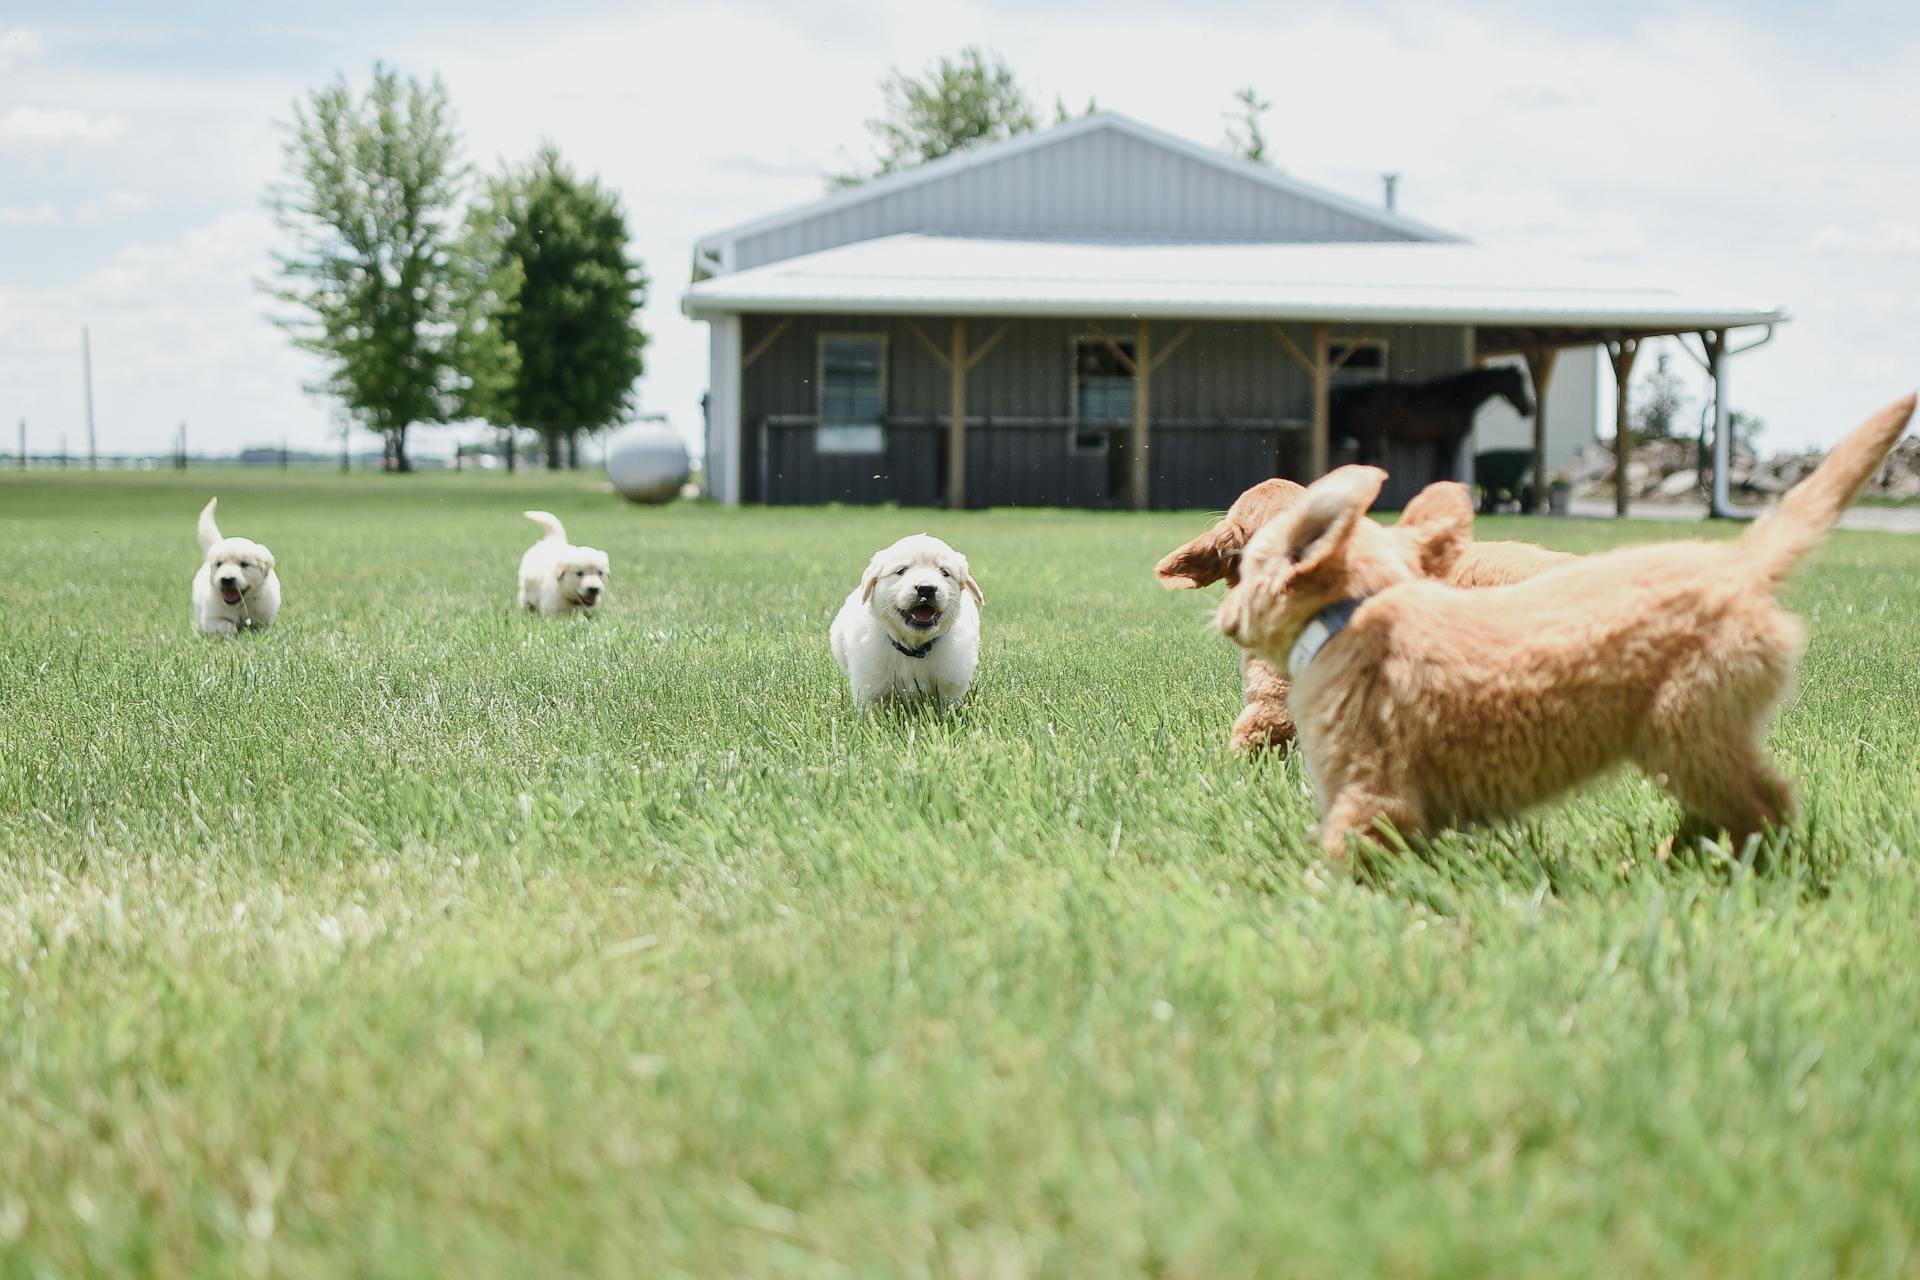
x,y
1100,183
1223,375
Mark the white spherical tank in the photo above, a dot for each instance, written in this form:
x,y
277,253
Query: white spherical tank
x,y
647,462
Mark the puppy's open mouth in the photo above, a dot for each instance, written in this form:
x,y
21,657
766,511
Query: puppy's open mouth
x,y
230,594
921,617
589,601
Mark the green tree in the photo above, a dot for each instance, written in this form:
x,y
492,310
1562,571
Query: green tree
x,y
563,295
371,201
968,98
1245,136
488,284
1660,402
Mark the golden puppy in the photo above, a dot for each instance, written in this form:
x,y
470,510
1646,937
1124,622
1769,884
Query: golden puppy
x,y
1264,721
1424,706
557,578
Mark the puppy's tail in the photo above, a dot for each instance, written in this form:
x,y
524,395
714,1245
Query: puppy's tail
x,y
1780,539
548,521
209,531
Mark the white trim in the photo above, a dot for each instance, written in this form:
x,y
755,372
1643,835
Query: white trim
x,y
956,162
723,410
820,367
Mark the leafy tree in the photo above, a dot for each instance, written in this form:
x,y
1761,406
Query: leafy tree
x,y
1063,113
1246,138
488,288
371,202
1660,402
971,97
554,275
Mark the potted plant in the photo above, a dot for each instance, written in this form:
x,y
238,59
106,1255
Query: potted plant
x,y
1559,493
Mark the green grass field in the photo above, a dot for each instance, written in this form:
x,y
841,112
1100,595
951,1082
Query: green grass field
x,y
417,937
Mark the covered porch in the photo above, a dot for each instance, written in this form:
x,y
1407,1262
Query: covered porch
x,y
1316,307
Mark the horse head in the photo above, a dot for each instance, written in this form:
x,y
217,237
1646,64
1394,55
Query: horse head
x,y
1510,385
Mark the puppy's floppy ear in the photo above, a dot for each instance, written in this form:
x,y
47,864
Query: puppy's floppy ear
x,y
1206,559
266,560
560,570
1438,523
869,580
973,589
1333,505
1215,554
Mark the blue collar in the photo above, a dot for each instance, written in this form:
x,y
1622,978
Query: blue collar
x,y
1324,626
921,652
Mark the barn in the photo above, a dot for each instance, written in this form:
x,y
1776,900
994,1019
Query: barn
x,y
1101,314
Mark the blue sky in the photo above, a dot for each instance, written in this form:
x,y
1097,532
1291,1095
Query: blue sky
x,y
1764,149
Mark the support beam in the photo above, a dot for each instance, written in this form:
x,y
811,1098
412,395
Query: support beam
x,y
1322,370
957,366
1165,353
761,347
1621,352
1143,364
1540,370
1720,499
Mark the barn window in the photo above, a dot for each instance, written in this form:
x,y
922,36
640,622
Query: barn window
x,y
853,393
1102,392
1366,364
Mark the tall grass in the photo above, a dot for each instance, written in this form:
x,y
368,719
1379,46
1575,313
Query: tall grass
x,y
416,936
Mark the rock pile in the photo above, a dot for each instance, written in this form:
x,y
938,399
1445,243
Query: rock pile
x,y
1671,469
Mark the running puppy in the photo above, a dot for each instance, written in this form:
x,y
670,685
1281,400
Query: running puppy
x,y
912,626
235,587
557,577
1264,721
1424,706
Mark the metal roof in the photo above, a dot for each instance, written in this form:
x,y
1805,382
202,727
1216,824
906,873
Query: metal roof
x,y
1388,283
992,152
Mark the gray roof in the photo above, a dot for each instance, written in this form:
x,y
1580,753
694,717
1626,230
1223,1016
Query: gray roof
x,y
1102,176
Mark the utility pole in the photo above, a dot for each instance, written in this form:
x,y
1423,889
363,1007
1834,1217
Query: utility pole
x,y
181,465
86,376
23,444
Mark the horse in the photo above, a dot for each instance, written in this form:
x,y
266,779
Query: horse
x,y
1439,412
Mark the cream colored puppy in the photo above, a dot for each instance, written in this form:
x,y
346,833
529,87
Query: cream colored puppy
x,y
912,626
235,588
557,577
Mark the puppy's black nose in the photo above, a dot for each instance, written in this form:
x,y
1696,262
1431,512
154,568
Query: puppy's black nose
x,y
927,591
228,580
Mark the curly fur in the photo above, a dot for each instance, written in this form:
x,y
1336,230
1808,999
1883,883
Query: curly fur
x,y
1437,706
1264,721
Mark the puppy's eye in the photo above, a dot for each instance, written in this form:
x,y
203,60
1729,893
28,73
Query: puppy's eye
x,y
945,574
900,572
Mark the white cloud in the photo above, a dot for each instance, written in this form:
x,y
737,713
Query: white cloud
x,y
1885,238
17,43
112,203
32,215
178,333
47,126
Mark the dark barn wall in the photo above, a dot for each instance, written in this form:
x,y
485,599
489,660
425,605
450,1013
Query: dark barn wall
x,y
1230,408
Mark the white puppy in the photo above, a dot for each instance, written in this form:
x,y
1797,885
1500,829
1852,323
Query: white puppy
x,y
557,577
235,588
909,628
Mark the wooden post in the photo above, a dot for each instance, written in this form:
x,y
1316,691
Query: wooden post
x,y
1142,399
957,407
1540,370
1319,445
23,444
1621,351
